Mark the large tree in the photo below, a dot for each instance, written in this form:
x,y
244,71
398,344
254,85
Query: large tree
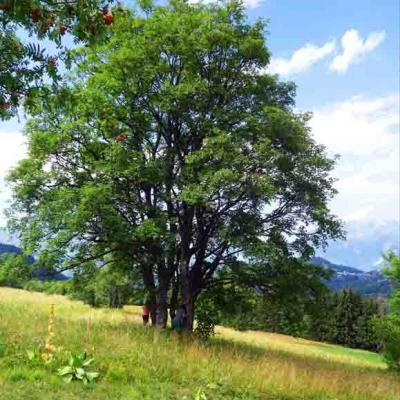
x,y
173,148
23,63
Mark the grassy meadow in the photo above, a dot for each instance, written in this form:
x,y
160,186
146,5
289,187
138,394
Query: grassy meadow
x,y
137,362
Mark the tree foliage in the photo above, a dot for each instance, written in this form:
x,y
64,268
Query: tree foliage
x,y
24,64
172,150
346,318
353,320
388,327
112,286
274,298
14,270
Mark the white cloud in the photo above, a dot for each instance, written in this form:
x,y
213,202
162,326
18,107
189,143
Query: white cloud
x,y
12,149
354,48
302,59
252,3
365,132
358,125
247,3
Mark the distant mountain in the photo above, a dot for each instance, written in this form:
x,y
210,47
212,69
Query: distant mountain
x,y
335,267
365,242
9,248
41,273
371,283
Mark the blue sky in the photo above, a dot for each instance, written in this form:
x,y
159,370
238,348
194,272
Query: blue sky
x,y
295,23
344,58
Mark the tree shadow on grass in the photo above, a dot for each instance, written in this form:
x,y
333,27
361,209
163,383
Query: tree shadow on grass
x,y
251,351
256,352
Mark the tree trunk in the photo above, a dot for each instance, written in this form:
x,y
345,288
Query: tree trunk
x,y
162,307
186,294
153,313
173,303
190,314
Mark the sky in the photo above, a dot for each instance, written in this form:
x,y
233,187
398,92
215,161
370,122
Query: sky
x,y
344,57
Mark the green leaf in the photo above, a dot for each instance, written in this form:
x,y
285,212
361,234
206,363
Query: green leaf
x,y
92,375
71,360
65,370
88,362
68,378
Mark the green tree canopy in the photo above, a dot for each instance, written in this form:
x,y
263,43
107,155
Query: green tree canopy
x,y
173,148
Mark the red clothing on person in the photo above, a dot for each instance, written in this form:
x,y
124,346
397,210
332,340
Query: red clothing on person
x,y
146,310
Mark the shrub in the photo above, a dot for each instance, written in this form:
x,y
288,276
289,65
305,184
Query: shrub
x,y
50,287
388,327
388,331
205,318
14,270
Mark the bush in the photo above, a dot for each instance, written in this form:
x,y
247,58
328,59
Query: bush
x,y
14,270
205,318
106,287
388,331
388,327
50,287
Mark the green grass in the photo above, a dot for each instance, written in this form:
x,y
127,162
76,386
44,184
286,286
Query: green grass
x,y
306,348
368,357
140,363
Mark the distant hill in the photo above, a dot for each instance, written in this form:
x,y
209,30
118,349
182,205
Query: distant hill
x,y
41,273
372,283
9,248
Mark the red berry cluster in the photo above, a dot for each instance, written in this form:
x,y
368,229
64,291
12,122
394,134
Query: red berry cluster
x,y
5,105
46,19
51,62
108,18
120,138
63,29
36,14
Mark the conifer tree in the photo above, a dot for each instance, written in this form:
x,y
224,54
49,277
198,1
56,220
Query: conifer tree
x,y
348,313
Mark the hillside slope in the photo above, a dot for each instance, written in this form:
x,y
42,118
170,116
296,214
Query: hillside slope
x,y
140,363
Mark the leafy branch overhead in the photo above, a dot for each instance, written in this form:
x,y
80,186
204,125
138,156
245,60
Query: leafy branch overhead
x,y
23,64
